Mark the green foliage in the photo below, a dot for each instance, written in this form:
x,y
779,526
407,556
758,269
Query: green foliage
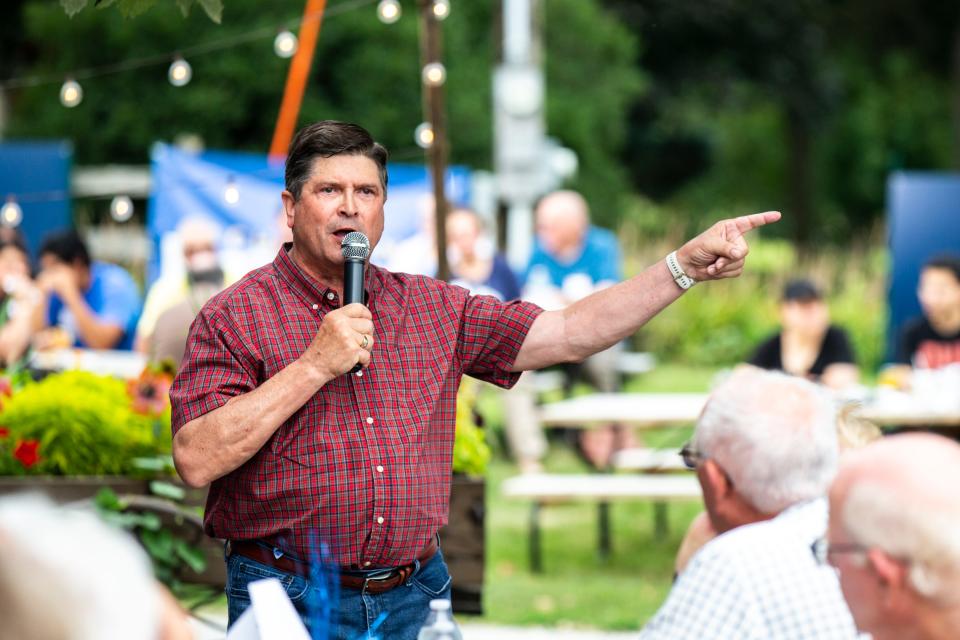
x,y
471,453
169,553
83,424
133,8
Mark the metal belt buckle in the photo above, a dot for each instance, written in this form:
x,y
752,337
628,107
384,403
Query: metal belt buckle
x,y
377,577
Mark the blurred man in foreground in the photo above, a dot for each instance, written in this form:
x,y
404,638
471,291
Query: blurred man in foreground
x,y
765,451
893,536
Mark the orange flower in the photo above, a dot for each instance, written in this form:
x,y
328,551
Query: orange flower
x,y
27,452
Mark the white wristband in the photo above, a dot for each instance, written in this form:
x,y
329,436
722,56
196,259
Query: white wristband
x,y
682,279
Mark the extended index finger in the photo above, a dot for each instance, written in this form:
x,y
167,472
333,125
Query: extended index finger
x,y
747,223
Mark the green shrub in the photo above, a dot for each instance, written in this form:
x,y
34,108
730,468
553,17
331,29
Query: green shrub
x,y
471,453
78,423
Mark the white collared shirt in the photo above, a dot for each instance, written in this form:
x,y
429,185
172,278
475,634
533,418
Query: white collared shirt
x,y
758,581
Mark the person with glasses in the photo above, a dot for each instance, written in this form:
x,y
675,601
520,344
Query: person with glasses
x,y
893,536
765,451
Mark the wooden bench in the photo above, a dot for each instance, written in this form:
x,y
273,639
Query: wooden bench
x,y
648,460
545,489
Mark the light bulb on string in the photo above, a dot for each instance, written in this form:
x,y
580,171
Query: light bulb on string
x,y
389,11
121,208
424,135
11,215
179,72
285,44
231,193
434,74
441,9
71,93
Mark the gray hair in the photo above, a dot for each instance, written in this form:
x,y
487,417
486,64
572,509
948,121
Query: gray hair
x,y
908,529
774,435
66,575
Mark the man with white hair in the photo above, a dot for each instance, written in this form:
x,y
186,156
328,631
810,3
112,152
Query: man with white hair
x,y
893,536
765,451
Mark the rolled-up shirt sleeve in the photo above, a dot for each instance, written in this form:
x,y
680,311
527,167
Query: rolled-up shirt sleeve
x,y
217,366
490,336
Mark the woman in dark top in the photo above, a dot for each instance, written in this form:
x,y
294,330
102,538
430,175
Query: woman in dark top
x,y
808,345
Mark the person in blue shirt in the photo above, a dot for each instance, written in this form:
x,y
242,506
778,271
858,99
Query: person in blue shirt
x,y
571,259
94,304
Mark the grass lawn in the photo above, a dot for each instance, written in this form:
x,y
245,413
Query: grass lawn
x,y
576,588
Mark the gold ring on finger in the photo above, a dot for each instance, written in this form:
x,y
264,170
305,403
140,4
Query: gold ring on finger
x,y
365,343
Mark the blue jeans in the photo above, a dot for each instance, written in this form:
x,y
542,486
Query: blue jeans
x,y
406,605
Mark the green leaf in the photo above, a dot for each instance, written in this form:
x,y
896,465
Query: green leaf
x,y
160,545
213,9
167,490
153,463
73,7
185,7
192,556
133,8
107,500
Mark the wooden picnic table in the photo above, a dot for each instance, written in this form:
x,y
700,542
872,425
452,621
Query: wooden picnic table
x,y
651,410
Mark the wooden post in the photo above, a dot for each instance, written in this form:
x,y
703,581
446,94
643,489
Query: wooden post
x,y
431,50
297,77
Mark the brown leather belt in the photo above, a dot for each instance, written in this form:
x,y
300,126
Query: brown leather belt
x,y
373,582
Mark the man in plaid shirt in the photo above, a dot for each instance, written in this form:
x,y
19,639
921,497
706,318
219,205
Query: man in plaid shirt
x,y
298,450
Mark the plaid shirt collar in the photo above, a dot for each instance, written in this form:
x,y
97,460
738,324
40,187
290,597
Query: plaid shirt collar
x,y
307,288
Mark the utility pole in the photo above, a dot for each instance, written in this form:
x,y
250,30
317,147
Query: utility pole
x,y
431,53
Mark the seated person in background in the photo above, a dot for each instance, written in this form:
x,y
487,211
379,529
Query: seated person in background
x,y
19,298
572,259
765,452
894,518
474,262
808,345
66,575
173,302
96,304
932,341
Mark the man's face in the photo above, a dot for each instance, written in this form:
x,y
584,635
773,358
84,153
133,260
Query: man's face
x,y
808,317
76,273
342,194
939,292
560,227
462,233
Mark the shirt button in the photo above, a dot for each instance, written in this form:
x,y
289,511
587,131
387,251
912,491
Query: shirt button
x,y
369,420
331,295
315,307
367,563
379,468
380,520
359,374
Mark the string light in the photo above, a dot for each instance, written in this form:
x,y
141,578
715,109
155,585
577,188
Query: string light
x,y
180,72
231,193
424,135
434,74
121,208
11,215
285,44
71,93
441,9
389,11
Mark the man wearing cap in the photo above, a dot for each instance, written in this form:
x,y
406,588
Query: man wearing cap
x,y
300,452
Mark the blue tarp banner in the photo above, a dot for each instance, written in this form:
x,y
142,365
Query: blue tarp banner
x,y
923,212
37,175
240,193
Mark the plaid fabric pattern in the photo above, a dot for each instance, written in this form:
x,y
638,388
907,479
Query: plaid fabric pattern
x,y
365,464
759,581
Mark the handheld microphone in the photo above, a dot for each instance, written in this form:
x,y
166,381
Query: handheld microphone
x,y
355,248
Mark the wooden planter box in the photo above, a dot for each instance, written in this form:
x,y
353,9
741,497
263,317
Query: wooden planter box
x,y
462,541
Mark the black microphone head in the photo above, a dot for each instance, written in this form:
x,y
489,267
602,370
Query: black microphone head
x,y
355,246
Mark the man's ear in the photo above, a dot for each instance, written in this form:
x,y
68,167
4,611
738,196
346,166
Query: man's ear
x,y
289,203
717,479
893,577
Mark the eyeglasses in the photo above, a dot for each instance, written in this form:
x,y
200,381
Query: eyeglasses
x,y
690,456
824,551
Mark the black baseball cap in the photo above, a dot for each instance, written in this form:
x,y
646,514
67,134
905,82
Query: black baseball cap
x,y
801,291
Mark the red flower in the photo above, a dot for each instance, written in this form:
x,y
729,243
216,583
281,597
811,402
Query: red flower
x,y
6,388
4,432
27,452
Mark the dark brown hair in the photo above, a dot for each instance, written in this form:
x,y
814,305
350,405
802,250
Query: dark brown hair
x,y
326,139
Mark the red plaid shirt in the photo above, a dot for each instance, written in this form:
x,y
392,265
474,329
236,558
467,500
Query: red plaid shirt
x,y
365,464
